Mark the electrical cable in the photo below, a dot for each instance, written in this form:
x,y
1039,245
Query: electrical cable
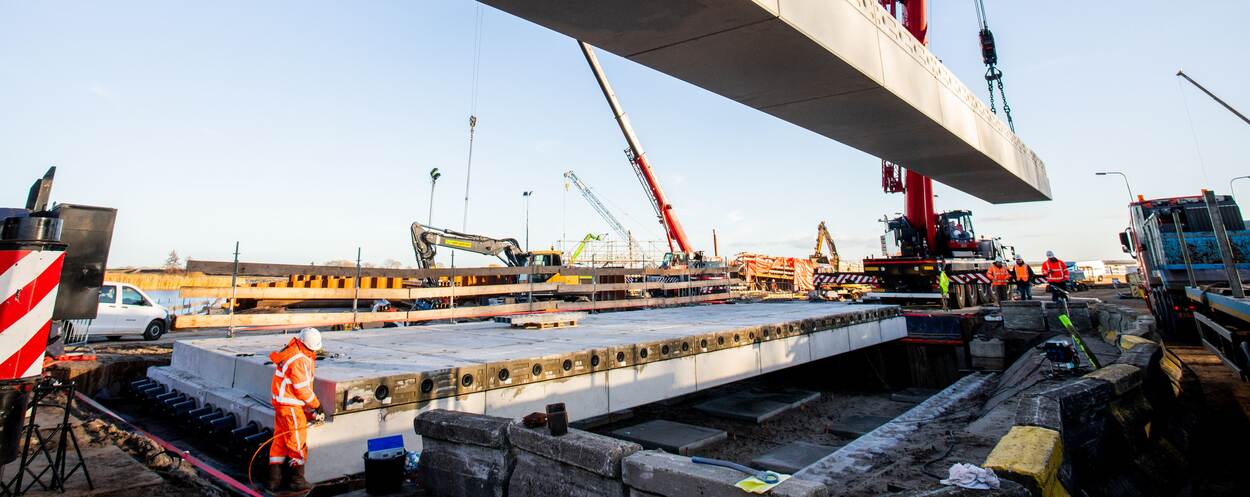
x,y
1193,130
950,445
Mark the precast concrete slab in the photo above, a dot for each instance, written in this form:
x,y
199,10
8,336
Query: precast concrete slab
x,y
374,382
844,69
755,406
792,457
670,436
856,425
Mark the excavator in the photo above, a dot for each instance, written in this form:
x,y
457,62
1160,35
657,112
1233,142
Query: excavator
x,y
818,255
426,239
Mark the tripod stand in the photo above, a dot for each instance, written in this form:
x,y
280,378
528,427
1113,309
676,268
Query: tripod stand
x,y
54,454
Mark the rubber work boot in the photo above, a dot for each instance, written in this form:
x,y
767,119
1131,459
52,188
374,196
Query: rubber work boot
x,y
295,479
275,477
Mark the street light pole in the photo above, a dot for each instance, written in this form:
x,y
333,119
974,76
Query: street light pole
x,y
434,175
1230,183
527,195
1126,185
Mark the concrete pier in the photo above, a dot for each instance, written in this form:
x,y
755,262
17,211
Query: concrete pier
x,y
375,382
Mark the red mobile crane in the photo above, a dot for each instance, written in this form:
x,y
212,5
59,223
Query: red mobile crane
x,y
921,243
678,245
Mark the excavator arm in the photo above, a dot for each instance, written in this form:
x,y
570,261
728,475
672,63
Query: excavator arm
x,y
425,240
823,237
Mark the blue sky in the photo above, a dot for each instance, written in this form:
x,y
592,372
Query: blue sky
x,y
306,129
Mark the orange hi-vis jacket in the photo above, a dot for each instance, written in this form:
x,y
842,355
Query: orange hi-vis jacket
x,y
998,275
292,393
1055,272
292,382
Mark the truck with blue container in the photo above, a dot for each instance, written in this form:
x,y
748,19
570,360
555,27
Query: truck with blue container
x,y
1160,228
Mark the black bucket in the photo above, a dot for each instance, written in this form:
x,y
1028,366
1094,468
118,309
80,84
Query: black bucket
x,y
14,399
385,475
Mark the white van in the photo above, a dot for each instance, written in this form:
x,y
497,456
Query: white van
x,y
126,310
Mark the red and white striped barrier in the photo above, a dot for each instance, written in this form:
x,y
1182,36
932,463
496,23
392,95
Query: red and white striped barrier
x,y
970,278
29,278
845,279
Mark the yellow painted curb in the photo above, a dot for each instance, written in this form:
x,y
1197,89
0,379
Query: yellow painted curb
x,y
1127,342
1033,453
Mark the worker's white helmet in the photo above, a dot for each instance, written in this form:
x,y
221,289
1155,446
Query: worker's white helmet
x,y
311,338
999,260
1050,253
1019,258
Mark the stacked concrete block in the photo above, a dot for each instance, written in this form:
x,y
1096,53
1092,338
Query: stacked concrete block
x,y
650,473
576,464
988,353
1078,313
1024,315
463,454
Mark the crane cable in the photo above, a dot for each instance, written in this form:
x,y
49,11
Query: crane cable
x,y
989,55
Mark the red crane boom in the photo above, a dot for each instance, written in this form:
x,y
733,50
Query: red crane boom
x,y
917,188
663,209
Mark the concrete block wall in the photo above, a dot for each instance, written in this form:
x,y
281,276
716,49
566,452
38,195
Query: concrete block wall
x,y
473,455
1043,315
1061,432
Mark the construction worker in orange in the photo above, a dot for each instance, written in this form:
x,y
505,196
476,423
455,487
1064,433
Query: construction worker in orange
x,y
293,404
1023,275
999,276
1056,273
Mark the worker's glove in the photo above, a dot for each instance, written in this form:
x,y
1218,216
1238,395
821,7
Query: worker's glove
x,y
319,415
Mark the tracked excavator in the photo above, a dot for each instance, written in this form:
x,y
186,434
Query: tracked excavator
x,y
426,239
818,256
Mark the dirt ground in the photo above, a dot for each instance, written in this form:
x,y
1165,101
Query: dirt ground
x,y
922,460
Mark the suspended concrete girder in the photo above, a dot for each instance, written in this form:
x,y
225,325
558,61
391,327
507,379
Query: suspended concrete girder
x,y
842,68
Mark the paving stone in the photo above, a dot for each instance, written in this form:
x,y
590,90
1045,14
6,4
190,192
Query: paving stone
x,y
856,425
1122,377
670,436
1041,411
1079,397
457,470
537,476
792,457
756,407
676,476
913,395
595,453
462,427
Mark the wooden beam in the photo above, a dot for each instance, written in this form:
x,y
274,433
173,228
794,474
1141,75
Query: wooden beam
x,y
297,293
280,270
289,293
294,320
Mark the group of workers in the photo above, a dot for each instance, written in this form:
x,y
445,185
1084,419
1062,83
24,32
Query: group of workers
x,y
1054,270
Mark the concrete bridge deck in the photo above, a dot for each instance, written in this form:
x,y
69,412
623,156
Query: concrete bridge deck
x,y
842,68
375,382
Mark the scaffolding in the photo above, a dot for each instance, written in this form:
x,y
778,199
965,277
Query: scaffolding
x,y
619,253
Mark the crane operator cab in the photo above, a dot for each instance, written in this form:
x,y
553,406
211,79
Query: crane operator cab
x,y
956,233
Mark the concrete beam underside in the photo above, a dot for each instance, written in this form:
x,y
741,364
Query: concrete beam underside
x,y
844,69
231,373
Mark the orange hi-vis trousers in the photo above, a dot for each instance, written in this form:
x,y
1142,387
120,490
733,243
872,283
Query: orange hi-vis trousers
x,y
291,443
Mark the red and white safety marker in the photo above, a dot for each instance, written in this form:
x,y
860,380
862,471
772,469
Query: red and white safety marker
x,y
29,278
